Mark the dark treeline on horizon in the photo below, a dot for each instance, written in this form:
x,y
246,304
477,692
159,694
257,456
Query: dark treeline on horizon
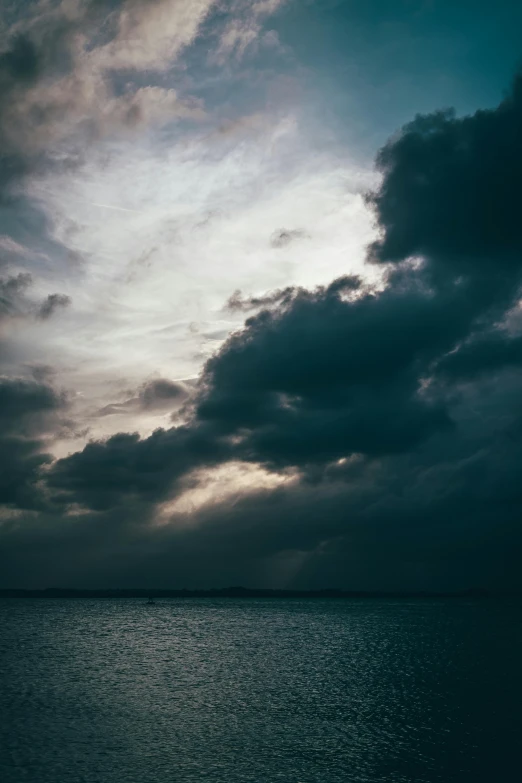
x,y
241,592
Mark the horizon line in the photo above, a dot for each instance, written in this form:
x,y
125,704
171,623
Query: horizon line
x,y
252,592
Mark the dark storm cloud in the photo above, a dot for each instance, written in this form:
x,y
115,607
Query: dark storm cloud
x,y
126,469
301,385
53,303
410,521
451,191
23,403
482,355
25,410
22,460
325,377
399,473
415,521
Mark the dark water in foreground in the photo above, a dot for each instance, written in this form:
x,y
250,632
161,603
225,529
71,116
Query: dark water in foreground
x,y
101,691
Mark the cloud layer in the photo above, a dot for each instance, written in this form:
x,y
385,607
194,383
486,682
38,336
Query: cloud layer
x,y
363,432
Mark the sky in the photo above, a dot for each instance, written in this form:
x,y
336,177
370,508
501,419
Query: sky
x,y
260,294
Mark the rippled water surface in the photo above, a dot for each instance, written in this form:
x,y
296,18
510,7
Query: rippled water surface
x,y
107,691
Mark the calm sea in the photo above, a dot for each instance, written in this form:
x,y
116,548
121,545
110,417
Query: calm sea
x,y
240,691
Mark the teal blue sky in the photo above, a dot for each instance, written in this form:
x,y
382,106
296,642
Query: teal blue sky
x,y
372,65
379,61
363,69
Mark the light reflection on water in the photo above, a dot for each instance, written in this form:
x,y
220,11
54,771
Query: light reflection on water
x,y
240,691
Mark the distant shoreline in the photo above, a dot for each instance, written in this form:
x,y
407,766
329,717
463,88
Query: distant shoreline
x,y
245,592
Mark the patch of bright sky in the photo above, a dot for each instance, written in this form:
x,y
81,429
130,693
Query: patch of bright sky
x,y
223,484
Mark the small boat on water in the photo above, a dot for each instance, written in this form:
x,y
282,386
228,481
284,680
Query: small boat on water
x,y
151,601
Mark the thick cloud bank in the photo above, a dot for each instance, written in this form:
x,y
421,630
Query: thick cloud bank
x,y
380,425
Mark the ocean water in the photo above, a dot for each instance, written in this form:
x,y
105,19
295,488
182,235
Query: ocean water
x,y
240,691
